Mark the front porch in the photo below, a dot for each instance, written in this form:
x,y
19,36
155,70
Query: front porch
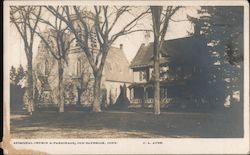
x,y
142,95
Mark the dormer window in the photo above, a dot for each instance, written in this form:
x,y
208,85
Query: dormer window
x,y
142,75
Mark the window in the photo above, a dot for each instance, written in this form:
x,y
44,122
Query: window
x,y
150,92
163,93
166,93
178,68
46,67
142,75
78,67
194,69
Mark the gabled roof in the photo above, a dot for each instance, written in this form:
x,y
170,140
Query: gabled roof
x,y
175,51
116,67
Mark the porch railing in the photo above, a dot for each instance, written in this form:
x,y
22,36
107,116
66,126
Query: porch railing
x,y
150,101
137,101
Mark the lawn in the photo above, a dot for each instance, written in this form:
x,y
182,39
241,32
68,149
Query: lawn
x,y
125,124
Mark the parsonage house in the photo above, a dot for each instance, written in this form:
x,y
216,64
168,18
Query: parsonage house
x,y
78,78
178,64
191,74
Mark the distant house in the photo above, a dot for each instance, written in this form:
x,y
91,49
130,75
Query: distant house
x,y
78,76
179,62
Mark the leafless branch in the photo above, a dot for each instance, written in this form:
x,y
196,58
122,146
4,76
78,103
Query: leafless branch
x,y
127,27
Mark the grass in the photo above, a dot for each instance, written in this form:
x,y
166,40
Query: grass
x,y
126,124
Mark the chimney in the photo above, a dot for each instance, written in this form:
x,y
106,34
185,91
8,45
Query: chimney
x,y
146,37
197,29
121,46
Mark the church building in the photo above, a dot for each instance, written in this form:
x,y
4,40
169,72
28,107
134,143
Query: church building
x,y
78,77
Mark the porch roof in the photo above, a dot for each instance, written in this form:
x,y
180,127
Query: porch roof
x,y
162,84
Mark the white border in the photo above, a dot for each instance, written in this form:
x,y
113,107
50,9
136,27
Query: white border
x,y
135,146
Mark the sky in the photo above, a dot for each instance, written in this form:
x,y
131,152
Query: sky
x,y
131,42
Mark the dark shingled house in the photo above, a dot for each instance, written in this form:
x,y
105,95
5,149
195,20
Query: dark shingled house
x,y
179,61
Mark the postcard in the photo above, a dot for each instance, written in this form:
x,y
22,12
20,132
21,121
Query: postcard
x,y
126,77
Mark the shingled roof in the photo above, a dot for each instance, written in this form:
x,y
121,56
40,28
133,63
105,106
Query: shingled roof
x,y
175,51
116,67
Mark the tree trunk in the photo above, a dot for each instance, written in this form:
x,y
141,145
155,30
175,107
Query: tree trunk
x,y
156,18
30,86
80,89
97,94
156,81
79,96
60,86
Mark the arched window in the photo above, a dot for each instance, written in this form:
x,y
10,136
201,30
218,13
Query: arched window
x,y
46,67
78,67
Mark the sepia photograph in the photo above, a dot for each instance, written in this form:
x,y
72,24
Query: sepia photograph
x,y
104,73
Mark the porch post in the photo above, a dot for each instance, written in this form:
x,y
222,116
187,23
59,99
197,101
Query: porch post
x,y
143,97
130,97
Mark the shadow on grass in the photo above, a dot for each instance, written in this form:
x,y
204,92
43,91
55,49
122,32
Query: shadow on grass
x,y
126,124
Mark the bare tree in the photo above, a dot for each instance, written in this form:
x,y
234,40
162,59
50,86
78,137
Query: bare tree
x,y
160,17
57,41
105,20
21,17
